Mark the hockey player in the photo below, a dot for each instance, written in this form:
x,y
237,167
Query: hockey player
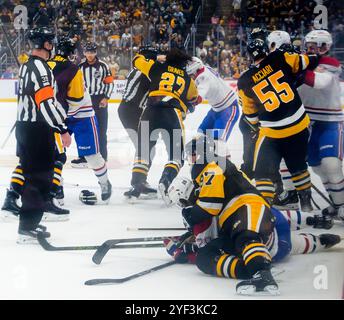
x,y
321,97
172,94
268,95
250,234
224,112
38,118
131,108
81,120
99,83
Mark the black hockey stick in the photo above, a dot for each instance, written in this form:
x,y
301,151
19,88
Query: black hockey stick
x,y
107,245
154,229
116,244
322,195
94,282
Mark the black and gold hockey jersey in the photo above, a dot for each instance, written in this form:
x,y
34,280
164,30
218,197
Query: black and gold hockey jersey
x,y
168,81
268,94
222,191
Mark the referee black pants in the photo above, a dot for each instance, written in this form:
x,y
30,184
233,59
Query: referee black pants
x,y
165,122
36,151
102,117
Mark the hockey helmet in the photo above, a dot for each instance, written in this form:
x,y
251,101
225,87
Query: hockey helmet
x,y
90,47
38,36
277,38
321,38
65,47
258,33
193,66
257,49
200,149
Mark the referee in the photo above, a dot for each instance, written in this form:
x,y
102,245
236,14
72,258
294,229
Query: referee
x,y
99,82
38,119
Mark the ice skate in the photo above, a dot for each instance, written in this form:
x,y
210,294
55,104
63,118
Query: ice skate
x,y
30,236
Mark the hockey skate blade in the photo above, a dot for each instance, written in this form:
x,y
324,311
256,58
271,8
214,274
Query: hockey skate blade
x,y
250,290
148,196
24,240
48,217
287,207
79,166
7,216
131,200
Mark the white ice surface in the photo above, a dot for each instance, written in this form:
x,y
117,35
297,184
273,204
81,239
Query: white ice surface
x,y
29,272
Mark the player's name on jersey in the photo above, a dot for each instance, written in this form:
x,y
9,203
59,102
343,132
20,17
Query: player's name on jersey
x,y
261,74
176,71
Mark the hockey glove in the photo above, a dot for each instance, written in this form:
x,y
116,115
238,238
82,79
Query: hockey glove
x,y
88,197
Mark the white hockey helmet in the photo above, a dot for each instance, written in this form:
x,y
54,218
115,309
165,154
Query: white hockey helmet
x,y
277,38
193,66
320,37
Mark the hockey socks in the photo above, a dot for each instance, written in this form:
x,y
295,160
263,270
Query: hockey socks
x,y
98,164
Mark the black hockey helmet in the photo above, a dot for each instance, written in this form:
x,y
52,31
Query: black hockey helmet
x,y
38,36
258,33
257,49
201,148
149,52
65,47
90,46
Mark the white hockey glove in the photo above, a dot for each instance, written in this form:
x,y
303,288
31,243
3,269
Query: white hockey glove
x,y
180,191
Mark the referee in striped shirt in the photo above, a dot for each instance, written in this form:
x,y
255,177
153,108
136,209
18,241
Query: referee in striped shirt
x,y
99,82
39,118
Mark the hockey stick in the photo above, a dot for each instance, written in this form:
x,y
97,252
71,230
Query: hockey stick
x,y
107,245
153,229
322,195
93,282
315,204
8,136
116,244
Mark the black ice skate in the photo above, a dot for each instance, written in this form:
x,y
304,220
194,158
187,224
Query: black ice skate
x,y
287,200
262,283
30,236
54,213
60,196
329,240
305,197
320,222
79,163
10,206
143,191
106,190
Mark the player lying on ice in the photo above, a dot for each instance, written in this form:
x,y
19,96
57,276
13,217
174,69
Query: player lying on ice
x,y
233,232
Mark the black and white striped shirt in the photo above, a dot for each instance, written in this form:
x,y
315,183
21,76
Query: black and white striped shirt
x,y
36,95
136,89
98,78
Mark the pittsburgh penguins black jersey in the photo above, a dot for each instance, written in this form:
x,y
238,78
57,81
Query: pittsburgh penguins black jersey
x,y
268,94
168,81
222,190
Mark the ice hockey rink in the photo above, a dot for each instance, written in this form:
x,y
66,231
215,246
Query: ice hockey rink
x,y
29,272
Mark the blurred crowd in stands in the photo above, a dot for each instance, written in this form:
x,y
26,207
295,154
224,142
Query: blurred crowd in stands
x,y
120,27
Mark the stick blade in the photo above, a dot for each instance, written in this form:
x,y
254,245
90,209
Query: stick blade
x,y
96,282
102,251
44,242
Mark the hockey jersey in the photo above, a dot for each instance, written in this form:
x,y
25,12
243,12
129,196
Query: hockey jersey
x,y
71,93
321,92
212,88
268,94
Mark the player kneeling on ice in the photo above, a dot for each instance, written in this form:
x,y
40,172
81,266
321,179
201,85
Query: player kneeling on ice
x,y
224,112
251,234
81,119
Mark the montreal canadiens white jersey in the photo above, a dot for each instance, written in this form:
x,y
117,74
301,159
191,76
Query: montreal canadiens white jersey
x,y
212,88
321,93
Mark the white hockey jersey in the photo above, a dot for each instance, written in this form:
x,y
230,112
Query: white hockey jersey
x,y
212,88
321,93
